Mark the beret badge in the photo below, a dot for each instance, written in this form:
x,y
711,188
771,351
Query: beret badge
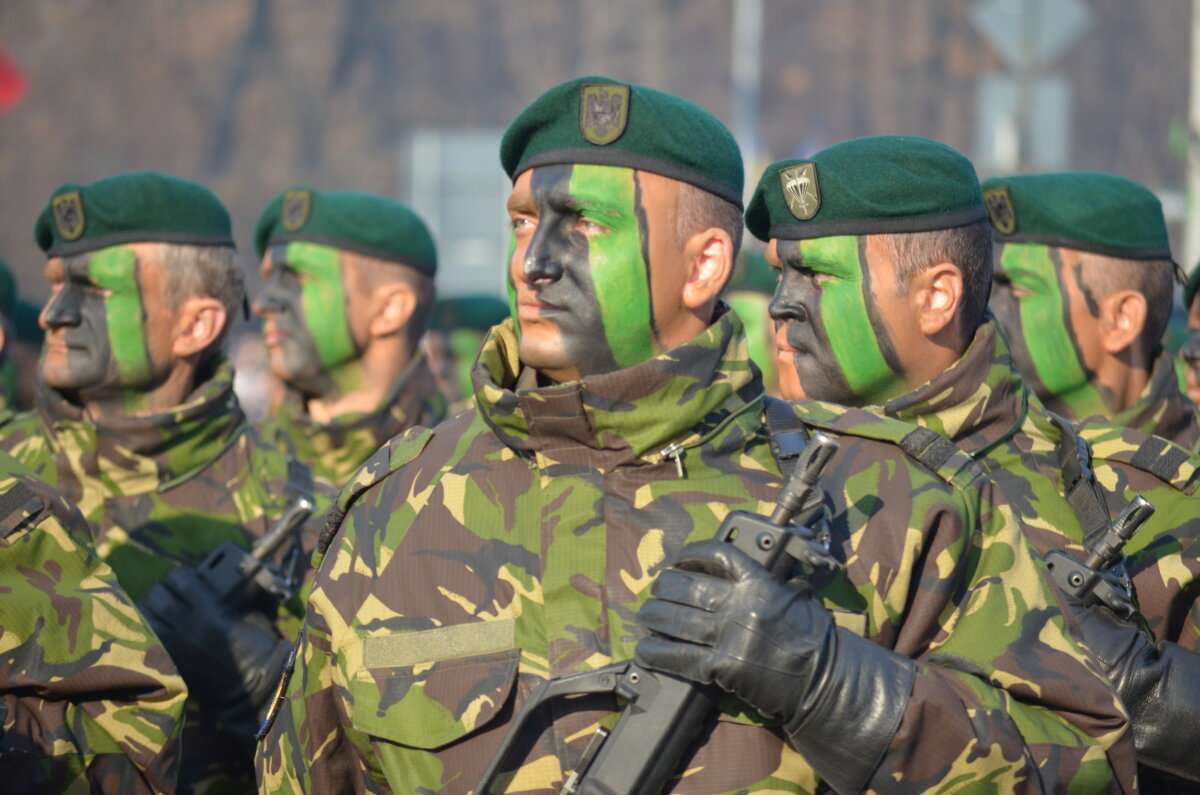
x,y
603,112
801,191
68,215
297,205
1000,209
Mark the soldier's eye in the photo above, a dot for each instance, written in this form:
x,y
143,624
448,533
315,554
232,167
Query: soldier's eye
x,y
590,227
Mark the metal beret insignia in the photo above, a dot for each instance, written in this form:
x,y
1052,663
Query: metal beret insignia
x,y
297,206
68,215
603,112
1000,209
801,191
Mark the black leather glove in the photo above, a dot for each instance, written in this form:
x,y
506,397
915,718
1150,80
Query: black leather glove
x,y
721,618
230,662
1159,684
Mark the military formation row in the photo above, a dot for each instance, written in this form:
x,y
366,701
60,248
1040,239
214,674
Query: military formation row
x,y
947,596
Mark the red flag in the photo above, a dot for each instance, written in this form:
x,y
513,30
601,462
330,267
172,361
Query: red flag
x,y
12,82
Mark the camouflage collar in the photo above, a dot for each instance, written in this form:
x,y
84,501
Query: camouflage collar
x,y
151,453
681,397
335,450
1162,409
977,403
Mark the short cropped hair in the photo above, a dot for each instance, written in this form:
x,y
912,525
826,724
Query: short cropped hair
x,y
1154,279
697,210
204,272
968,247
374,273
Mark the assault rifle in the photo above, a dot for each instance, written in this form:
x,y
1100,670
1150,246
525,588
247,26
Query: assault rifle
x,y
1085,581
663,714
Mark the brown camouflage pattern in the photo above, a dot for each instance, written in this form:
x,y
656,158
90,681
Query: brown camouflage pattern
x,y
1163,409
517,541
89,699
334,451
160,491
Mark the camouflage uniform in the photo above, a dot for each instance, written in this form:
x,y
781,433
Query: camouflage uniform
x,y
89,699
516,542
1162,409
161,491
336,450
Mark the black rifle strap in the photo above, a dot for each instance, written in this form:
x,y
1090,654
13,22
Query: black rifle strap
x,y
789,437
1079,482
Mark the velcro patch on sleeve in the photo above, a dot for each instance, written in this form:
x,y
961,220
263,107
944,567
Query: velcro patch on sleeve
x,y
443,643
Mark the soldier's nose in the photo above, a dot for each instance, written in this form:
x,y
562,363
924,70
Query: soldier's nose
x,y
63,310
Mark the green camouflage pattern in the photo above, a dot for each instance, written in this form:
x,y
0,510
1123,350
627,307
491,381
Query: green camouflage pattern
x,y
160,491
462,566
89,699
334,451
1164,556
1163,409
982,405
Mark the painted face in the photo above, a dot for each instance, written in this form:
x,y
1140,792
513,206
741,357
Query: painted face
x,y
831,342
1190,353
306,327
1032,304
579,276
96,321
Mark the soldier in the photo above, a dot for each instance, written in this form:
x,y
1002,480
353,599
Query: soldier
x,y
1084,289
616,418
348,293
890,316
89,699
136,422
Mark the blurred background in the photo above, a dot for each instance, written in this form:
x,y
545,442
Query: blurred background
x,y
409,97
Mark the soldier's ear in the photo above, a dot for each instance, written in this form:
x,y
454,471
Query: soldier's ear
x,y
709,258
198,325
394,306
1122,318
937,294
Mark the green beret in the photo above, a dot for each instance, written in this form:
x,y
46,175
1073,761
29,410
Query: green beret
x,y
1190,289
143,207
867,186
1084,210
365,223
598,121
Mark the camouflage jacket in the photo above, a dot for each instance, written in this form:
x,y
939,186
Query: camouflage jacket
x,y
160,491
89,699
982,405
515,542
1163,409
336,450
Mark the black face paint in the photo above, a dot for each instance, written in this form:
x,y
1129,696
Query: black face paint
x,y
837,344
585,267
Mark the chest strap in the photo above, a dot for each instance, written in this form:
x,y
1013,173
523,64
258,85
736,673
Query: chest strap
x,y
1079,482
788,435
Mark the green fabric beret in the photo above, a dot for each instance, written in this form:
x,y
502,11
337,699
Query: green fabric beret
x,y
1084,210
598,121
867,186
1191,288
141,207
365,223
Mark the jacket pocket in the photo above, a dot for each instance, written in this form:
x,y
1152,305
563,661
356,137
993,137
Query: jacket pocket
x,y
429,688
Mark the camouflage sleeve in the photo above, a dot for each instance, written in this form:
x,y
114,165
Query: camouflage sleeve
x,y
1003,694
90,699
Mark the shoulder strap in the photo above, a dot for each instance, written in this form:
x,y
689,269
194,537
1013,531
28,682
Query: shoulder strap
x,y
399,451
1162,458
788,435
17,504
1079,481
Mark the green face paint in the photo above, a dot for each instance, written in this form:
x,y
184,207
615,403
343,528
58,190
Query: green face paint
x,y
307,325
97,338
1031,306
840,349
586,264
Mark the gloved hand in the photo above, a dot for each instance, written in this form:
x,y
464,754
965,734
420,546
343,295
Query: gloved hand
x,y
719,617
1159,684
230,662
